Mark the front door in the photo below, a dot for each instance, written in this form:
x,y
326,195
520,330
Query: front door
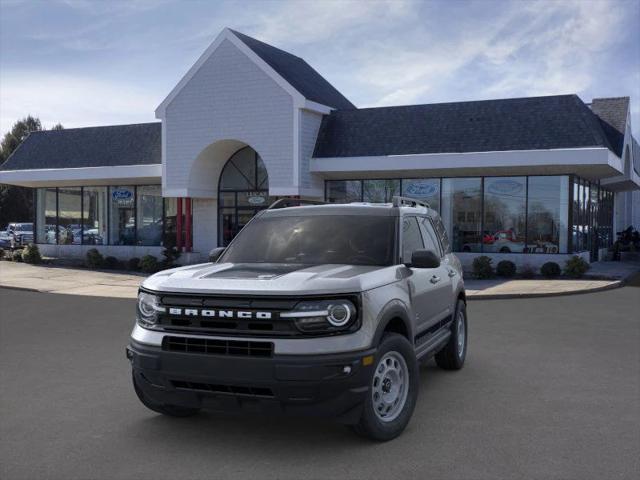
x,y
430,288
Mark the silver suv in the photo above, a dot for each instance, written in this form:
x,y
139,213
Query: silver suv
x,y
312,309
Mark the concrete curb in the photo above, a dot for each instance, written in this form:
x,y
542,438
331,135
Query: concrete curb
x,y
507,296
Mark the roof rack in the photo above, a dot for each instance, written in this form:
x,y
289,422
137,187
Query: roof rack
x,y
293,202
398,201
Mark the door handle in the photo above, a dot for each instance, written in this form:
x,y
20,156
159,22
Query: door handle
x,y
452,273
435,279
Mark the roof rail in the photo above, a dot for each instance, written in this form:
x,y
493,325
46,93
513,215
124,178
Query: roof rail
x,y
293,202
398,201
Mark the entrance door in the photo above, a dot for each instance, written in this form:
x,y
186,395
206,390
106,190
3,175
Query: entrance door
x,y
243,192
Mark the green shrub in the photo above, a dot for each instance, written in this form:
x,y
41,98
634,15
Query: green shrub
x,y
506,268
527,271
576,267
149,264
482,267
16,256
31,254
1,253
550,270
134,264
94,258
111,263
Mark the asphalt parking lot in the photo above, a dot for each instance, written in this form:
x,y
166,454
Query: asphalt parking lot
x,y
551,389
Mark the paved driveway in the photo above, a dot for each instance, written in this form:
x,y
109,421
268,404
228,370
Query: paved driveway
x,y
551,390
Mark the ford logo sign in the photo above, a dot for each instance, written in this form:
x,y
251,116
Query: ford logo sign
x,y
505,187
256,200
121,194
419,189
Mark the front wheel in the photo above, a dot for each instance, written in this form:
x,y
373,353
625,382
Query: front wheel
x,y
452,356
169,410
393,390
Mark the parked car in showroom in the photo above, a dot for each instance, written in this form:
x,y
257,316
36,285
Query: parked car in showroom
x,y
17,235
321,310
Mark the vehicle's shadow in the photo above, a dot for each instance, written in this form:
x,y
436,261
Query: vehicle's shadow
x,y
248,431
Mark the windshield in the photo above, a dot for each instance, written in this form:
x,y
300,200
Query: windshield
x,y
23,227
315,240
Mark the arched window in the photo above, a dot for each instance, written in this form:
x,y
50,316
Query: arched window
x,y
243,191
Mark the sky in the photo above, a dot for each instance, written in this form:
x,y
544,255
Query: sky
x,y
86,63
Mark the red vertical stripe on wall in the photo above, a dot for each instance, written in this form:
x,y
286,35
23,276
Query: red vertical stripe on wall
x,y
187,227
179,224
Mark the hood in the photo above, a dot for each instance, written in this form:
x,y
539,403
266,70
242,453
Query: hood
x,y
271,279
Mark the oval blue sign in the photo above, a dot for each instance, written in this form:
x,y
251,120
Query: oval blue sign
x,y
505,187
121,194
419,189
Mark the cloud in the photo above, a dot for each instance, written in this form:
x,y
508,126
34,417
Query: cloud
x,y
376,52
73,101
534,48
296,22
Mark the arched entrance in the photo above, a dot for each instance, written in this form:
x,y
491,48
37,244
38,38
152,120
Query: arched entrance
x,y
242,192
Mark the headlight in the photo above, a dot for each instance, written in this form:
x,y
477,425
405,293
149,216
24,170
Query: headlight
x,y
148,309
323,316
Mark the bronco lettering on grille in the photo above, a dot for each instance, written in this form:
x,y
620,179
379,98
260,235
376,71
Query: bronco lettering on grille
x,y
208,313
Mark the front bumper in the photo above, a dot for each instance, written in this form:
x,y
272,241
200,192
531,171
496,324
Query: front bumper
x,y
332,385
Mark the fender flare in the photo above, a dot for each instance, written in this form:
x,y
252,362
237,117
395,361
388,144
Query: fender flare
x,y
392,310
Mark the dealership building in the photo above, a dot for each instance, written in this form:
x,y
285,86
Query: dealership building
x,y
528,179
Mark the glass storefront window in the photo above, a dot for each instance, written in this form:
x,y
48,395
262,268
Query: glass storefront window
x,y
547,217
424,189
46,215
462,212
69,216
94,216
592,215
243,191
504,214
344,191
149,215
122,219
380,191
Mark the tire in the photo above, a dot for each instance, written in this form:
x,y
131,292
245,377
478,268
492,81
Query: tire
x,y
505,250
394,354
452,356
169,410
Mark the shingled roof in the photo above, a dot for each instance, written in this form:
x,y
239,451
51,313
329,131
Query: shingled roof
x,y
298,73
612,113
532,123
108,146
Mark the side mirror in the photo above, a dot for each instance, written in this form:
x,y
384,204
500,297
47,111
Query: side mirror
x,y
424,259
214,254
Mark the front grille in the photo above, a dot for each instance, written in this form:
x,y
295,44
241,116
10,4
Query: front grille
x,y
237,316
273,326
228,389
217,347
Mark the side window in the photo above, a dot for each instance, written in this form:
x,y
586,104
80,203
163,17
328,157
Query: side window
x,y
429,235
411,238
442,234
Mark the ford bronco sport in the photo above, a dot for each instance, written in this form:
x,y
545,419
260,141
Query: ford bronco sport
x,y
312,309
